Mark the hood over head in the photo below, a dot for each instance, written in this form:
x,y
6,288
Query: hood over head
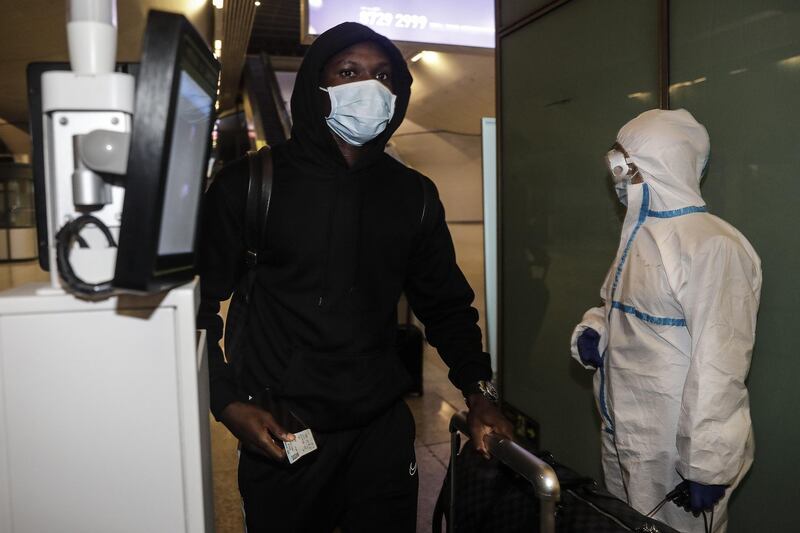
x,y
671,149
312,145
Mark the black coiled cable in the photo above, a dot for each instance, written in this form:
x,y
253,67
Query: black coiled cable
x,y
65,237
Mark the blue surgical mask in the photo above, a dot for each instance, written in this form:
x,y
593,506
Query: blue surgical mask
x,y
360,110
621,189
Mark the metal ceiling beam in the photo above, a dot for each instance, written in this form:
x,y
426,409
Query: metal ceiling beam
x,y
237,25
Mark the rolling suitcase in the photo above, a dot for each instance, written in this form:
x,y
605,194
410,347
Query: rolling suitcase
x,y
501,494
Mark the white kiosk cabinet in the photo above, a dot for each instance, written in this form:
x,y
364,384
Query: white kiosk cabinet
x,y
103,414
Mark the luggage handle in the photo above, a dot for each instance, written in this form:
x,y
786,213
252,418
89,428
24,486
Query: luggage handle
x,y
540,474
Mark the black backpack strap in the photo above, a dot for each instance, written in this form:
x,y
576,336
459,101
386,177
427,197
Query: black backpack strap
x,y
427,194
267,177
251,210
259,197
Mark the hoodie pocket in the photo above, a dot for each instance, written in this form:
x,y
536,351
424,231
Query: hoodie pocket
x,y
336,391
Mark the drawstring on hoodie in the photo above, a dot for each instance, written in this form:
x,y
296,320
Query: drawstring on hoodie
x,y
357,239
326,276
358,233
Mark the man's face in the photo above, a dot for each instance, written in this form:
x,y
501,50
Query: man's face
x,y
362,61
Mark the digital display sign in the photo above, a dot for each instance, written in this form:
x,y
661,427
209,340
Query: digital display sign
x,y
445,22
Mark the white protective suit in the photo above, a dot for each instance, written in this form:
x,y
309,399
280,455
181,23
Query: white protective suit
x,y
676,330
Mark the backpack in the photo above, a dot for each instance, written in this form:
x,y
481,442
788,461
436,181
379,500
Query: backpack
x,y
259,197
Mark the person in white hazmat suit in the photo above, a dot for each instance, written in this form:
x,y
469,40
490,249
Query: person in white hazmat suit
x,y
672,343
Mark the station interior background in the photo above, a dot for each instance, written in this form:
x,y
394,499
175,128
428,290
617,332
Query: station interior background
x,y
441,137
568,74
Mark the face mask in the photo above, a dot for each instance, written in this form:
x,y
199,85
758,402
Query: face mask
x,y
622,192
360,111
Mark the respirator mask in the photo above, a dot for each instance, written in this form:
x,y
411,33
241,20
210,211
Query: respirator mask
x,y
360,110
622,171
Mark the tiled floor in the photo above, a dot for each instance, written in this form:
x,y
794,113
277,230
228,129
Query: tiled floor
x,y
16,274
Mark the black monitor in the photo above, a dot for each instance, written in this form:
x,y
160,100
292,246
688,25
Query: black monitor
x,y
170,140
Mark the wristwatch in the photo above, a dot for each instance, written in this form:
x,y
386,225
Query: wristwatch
x,y
484,388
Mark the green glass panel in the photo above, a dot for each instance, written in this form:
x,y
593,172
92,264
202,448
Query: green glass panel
x,y
512,11
736,67
568,84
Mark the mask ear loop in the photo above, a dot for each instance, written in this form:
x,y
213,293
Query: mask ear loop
x,y
636,173
332,99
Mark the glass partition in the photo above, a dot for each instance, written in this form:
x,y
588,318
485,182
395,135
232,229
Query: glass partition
x,y
570,79
736,67
511,12
17,218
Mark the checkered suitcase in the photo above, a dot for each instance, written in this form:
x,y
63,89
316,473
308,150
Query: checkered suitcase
x,y
489,496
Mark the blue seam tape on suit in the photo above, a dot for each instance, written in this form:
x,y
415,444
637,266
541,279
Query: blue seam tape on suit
x,y
644,213
639,223
678,212
661,321
642,217
603,407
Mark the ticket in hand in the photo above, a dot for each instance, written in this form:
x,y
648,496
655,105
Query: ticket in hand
x,y
303,444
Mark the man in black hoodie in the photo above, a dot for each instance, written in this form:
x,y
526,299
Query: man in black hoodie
x,y
349,229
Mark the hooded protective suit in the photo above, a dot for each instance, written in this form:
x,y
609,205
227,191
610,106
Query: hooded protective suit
x,y
676,329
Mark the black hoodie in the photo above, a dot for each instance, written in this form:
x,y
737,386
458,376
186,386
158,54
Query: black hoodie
x,y
341,245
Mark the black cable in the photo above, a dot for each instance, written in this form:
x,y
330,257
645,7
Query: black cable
x,y
613,420
614,441
658,507
670,496
619,462
65,237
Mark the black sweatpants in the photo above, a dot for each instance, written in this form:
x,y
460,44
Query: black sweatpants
x,y
358,480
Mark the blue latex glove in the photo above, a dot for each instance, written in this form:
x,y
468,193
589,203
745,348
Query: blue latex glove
x,y
588,342
695,497
704,497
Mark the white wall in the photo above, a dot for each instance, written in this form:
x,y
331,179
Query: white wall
x,y
441,137
452,161
441,134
